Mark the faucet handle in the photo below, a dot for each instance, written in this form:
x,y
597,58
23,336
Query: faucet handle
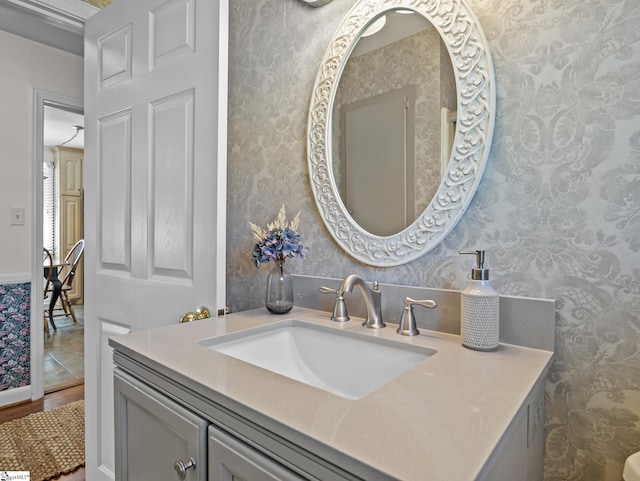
x,y
408,325
328,290
339,308
428,303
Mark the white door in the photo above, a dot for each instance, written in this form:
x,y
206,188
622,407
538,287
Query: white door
x,y
378,158
155,160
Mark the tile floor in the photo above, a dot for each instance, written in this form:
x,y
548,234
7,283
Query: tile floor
x,y
64,351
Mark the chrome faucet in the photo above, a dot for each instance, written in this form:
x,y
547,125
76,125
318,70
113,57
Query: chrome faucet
x,y
339,308
407,325
372,299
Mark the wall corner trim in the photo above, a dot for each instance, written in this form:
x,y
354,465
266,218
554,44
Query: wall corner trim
x,y
15,278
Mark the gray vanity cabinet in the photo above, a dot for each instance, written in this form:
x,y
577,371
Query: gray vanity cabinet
x,y
156,437
233,460
165,420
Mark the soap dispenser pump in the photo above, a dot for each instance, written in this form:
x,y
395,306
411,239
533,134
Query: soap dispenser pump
x,y
480,309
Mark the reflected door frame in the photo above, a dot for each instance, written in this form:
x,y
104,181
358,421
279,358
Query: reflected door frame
x,y
41,98
377,142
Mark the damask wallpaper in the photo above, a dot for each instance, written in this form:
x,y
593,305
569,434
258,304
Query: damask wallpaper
x,y
15,328
558,209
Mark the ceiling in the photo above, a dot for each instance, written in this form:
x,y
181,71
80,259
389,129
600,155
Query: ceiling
x,y
57,23
59,127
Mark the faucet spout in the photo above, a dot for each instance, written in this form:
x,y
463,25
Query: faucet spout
x,y
372,299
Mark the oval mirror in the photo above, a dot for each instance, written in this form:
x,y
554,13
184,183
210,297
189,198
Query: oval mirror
x,y
386,124
400,126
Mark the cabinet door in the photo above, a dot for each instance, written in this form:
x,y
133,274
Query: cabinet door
x,y
70,210
153,433
70,164
70,233
233,460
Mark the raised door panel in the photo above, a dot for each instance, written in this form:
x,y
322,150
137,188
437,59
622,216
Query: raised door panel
x,y
114,192
172,186
233,460
153,434
71,221
71,232
69,165
115,61
172,31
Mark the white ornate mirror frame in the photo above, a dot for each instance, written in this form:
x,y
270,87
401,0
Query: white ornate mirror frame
x,y
473,70
316,3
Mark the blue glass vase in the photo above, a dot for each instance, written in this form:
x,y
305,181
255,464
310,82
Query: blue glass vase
x,y
279,298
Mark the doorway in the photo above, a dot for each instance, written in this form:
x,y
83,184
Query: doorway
x,y
57,358
63,151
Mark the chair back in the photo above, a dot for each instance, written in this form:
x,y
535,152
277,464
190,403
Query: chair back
x,y
72,259
47,258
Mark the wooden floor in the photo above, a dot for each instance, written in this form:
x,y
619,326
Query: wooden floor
x,y
50,401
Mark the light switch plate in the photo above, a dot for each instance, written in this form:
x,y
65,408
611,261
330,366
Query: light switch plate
x,y
17,216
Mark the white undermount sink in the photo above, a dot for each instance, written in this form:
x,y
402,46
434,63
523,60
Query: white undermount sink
x,y
344,363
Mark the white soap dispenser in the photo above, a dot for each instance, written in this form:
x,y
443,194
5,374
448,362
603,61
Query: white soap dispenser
x,y
480,309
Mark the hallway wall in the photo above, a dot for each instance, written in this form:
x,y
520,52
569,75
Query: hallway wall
x,y
25,65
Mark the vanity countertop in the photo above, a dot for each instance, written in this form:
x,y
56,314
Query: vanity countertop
x,y
441,420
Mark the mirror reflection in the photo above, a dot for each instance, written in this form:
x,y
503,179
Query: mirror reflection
x,y
393,122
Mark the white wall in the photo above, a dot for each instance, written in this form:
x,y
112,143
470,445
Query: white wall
x,y
25,65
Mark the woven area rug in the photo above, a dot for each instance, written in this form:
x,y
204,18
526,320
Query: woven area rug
x,y
47,444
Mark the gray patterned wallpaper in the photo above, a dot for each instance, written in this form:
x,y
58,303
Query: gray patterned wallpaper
x,y
558,208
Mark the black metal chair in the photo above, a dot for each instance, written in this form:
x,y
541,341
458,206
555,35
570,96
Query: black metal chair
x,y
47,260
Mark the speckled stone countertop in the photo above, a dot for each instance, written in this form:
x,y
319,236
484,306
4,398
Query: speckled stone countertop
x,y
441,420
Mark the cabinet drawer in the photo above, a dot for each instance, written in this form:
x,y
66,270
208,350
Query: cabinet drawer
x,y
233,460
153,433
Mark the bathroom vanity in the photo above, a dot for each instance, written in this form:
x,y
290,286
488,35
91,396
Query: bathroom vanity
x,y
186,410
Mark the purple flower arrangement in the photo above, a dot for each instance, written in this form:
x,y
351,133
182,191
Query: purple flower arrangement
x,y
279,241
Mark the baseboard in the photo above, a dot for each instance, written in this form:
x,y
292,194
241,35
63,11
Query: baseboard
x,y
64,385
15,395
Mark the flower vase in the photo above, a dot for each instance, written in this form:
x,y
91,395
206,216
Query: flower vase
x,y
279,299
